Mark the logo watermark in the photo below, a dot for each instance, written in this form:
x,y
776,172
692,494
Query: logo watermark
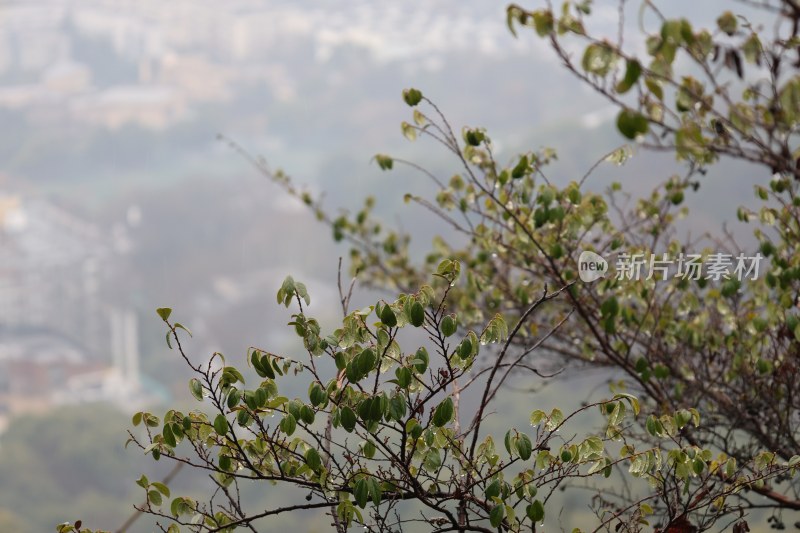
x,y
591,266
661,267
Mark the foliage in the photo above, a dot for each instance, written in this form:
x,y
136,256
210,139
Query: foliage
x,y
70,461
713,362
730,90
403,407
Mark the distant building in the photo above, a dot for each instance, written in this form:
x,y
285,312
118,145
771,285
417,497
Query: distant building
x,y
67,77
61,342
150,106
52,266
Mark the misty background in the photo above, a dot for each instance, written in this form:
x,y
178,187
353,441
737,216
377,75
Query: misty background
x,y
117,198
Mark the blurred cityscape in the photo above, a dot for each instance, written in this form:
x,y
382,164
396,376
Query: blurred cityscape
x,y
109,63
61,342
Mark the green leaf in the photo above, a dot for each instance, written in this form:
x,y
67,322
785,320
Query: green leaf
x,y
409,132
364,409
361,492
160,487
610,307
317,395
598,59
618,157
492,490
225,463
652,426
509,440
672,35
397,407
684,101
374,490
497,514
260,397
536,417
366,361
288,424
632,400
412,97
181,506
221,424
286,292
512,14
369,449
388,317
231,375
154,496
633,69
448,325
178,325
262,365
555,420
353,372
524,447
727,22
196,388
403,375
313,460
465,349
384,162
443,413
655,87
448,269
521,168
243,418
790,100
164,313
474,137
433,460
543,22
234,397
752,48
413,428
535,511
417,314
348,419
169,437
730,467
421,360
631,123
306,414
496,330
